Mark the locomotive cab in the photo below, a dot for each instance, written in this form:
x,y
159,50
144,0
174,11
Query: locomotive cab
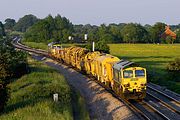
x,y
130,80
134,79
54,49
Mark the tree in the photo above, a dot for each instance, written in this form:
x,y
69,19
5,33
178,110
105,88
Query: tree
x,y
105,34
50,29
99,46
25,22
115,31
80,30
177,36
2,32
102,47
134,33
156,31
9,24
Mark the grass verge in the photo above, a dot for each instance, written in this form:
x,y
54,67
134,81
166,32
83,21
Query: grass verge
x,y
31,96
36,45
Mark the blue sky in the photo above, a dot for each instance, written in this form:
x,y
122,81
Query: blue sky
x,y
96,11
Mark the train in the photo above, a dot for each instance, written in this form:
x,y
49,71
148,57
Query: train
x,y
125,78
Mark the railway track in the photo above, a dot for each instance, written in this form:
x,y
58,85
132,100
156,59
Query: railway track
x,y
167,100
16,43
150,111
157,105
161,101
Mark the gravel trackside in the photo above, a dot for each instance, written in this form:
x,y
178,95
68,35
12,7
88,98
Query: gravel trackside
x,y
101,104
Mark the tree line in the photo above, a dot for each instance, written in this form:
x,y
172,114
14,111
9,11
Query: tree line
x,y
60,29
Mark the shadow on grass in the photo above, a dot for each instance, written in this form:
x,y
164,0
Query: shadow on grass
x,y
21,104
142,57
41,69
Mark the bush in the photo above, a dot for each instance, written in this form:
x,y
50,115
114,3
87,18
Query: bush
x,y
174,65
173,71
4,95
99,46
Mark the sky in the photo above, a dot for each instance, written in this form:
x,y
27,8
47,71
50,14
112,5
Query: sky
x,y
96,12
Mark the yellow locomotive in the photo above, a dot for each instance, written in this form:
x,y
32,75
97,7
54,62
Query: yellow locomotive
x,y
123,77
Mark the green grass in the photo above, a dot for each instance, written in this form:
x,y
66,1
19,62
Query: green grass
x,y
41,45
36,45
152,56
31,96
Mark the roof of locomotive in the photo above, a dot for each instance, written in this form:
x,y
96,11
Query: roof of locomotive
x,y
107,57
122,64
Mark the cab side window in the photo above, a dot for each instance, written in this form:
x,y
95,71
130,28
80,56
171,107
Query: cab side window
x,y
116,75
120,76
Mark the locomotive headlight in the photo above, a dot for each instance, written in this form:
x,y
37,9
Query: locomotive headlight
x,y
143,84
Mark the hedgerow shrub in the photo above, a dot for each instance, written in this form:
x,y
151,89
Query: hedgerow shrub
x,y
99,46
12,64
174,65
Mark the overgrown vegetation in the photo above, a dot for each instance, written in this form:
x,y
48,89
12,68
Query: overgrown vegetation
x,y
13,64
32,96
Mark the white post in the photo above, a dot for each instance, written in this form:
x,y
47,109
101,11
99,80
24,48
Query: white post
x,y
55,97
93,46
85,36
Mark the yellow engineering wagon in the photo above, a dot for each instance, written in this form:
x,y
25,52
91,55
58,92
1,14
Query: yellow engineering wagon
x,y
67,55
54,50
104,67
80,56
88,62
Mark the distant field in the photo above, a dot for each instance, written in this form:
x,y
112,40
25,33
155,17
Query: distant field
x,y
148,55
152,56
